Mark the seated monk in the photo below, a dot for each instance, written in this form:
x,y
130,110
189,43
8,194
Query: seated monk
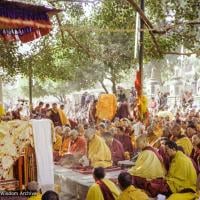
x,y
77,145
65,141
58,143
115,146
196,150
181,177
149,171
33,188
102,189
125,140
181,140
129,192
98,152
81,129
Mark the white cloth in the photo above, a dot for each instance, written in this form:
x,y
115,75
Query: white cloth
x,y
42,134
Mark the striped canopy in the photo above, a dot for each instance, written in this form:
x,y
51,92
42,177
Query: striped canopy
x,y
24,22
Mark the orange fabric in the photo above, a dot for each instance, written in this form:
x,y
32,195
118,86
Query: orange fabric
x,y
63,118
106,107
78,146
65,145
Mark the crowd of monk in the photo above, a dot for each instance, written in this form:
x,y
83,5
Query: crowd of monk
x,y
166,154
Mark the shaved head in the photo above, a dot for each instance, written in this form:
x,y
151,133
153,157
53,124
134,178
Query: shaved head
x,y
141,142
89,133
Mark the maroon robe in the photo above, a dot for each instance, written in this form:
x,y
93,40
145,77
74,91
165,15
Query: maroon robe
x,y
55,117
155,186
117,151
123,111
196,158
126,142
166,158
107,194
16,115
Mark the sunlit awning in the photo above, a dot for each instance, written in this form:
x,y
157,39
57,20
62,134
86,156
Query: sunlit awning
x,y
24,22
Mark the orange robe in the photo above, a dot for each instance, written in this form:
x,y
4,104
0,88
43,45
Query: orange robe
x,y
79,146
65,145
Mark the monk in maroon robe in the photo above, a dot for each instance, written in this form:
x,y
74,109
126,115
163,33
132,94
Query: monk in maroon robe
x,y
196,151
54,115
123,110
125,140
115,146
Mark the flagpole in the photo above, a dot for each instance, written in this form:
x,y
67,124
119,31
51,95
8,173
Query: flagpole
x,y
141,49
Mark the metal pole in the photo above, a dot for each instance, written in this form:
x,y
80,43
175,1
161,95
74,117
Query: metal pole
x,y
30,86
141,51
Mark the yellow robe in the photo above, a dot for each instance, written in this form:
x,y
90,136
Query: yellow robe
x,y
99,153
131,193
183,196
58,144
186,144
158,132
63,118
106,107
94,192
148,166
36,197
181,174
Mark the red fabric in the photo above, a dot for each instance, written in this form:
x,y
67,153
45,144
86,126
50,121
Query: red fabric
x,y
152,187
138,82
79,146
166,158
73,123
117,151
107,194
27,37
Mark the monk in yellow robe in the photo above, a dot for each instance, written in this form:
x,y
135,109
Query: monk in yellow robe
x,y
98,152
147,165
106,107
129,192
63,117
182,140
58,143
181,177
58,116
149,168
65,140
34,189
102,188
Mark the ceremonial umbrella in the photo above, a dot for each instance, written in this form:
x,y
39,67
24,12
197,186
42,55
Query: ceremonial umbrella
x,y
24,22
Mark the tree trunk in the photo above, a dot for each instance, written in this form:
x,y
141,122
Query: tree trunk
x,y
113,80
104,87
1,91
114,89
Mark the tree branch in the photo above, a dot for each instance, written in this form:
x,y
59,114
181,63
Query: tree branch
x,y
103,86
181,54
170,27
86,50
